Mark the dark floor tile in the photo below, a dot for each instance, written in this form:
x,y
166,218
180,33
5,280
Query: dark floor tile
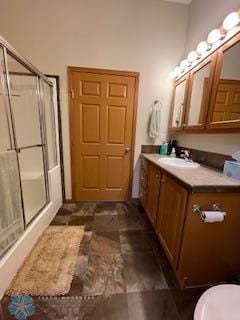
x,y
86,221
147,224
126,209
104,275
116,307
186,301
70,206
106,208
152,305
71,309
128,222
64,212
106,223
135,241
142,273
85,209
85,243
165,265
79,275
60,220
105,243
130,218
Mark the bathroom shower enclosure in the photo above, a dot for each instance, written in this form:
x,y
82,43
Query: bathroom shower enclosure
x,y
28,144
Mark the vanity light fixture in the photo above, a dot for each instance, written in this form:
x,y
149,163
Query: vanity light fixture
x,y
177,70
184,64
214,36
172,75
202,47
192,56
231,21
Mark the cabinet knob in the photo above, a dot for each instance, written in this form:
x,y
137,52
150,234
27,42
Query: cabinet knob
x,y
163,180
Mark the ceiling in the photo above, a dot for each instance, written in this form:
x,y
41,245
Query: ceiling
x,y
180,1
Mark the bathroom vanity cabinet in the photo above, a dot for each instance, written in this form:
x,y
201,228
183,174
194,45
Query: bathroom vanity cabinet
x,y
200,253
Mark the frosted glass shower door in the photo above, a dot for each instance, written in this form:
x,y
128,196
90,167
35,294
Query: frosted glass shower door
x,y
26,109
11,213
50,125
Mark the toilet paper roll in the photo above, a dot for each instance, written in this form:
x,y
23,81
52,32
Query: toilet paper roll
x,y
213,216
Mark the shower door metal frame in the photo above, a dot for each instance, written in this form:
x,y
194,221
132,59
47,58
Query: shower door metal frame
x,y
56,153
8,49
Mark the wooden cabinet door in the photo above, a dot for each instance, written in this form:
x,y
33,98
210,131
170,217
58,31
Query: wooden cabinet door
x,y
210,251
154,176
143,182
171,213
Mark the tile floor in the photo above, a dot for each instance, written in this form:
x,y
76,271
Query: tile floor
x,y
121,271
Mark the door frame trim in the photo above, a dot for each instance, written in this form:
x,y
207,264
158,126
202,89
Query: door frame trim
x,y
136,75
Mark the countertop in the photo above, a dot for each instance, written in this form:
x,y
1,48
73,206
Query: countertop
x,y
198,179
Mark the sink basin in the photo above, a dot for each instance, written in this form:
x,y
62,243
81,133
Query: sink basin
x,y
176,162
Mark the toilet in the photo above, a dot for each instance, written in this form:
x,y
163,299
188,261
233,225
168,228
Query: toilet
x,y
220,302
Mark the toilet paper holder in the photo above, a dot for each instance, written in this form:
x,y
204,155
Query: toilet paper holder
x,y
197,209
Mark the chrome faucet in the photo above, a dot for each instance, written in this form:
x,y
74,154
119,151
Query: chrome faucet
x,y
186,155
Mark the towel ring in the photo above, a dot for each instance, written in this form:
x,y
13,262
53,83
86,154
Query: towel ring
x,y
155,102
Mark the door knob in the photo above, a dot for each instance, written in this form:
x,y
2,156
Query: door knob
x,y
127,150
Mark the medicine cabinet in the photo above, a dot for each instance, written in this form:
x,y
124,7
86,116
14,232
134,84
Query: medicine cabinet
x,y
207,99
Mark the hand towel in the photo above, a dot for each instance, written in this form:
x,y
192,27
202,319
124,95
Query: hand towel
x,y
11,213
155,119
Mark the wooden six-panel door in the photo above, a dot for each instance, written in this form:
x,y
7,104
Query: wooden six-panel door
x,y
227,106
102,133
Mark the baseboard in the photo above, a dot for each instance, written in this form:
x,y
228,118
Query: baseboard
x,y
69,201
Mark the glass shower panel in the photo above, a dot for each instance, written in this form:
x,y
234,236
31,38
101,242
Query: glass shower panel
x,y
24,101
33,181
50,125
5,127
25,105
11,211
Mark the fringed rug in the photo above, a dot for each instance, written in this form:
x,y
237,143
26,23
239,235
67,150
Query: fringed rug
x,y
49,268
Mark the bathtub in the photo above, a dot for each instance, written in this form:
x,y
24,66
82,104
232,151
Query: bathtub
x,y
34,193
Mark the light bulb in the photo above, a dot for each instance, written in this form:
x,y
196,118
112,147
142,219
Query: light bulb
x,y
192,56
231,21
184,64
214,36
202,47
172,75
177,71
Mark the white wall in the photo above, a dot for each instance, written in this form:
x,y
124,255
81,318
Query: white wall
x,y
136,35
205,15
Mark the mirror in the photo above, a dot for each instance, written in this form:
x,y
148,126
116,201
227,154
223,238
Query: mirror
x,y
178,108
227,104
199,96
